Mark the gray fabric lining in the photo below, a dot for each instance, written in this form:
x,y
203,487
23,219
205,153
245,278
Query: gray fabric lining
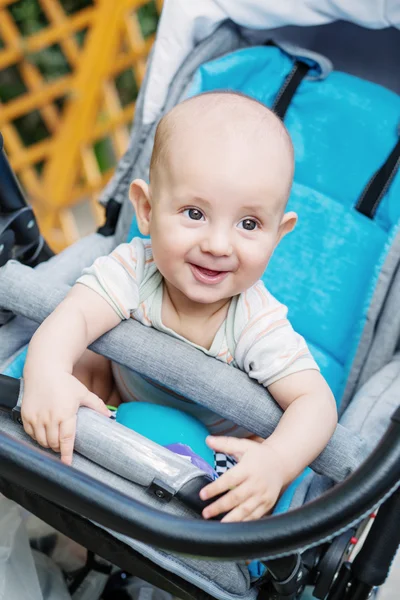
x,y
368,415
314,58
382,329
386,334
116,186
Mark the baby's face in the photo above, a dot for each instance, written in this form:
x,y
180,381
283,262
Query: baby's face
x,y
216,217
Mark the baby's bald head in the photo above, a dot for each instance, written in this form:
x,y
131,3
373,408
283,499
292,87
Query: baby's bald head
x,y
218,130
220,178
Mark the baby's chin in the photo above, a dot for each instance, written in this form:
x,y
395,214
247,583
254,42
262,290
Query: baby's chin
x,y
209,297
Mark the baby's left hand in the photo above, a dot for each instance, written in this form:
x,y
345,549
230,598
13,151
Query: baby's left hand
x,y
254,483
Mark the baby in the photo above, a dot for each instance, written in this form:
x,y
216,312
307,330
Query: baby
x,y
220,176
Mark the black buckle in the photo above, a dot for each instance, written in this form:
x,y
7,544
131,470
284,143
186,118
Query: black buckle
x,y
161,491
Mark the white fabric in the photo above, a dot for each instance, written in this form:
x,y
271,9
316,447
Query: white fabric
x,y
184,23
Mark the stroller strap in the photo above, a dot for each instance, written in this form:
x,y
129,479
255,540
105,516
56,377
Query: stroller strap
x,y
379,183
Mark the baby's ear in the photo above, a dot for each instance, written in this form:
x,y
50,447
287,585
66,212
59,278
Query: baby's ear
x,y
287,225
139,195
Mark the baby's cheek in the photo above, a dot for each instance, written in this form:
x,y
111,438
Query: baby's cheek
x,y
263,258
166,254
255,267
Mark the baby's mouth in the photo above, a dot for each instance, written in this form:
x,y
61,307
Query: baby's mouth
x,y
209,272
208,276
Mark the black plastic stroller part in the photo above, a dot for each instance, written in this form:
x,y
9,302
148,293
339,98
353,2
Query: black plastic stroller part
x,y
116,587
372,563
113,209
370,568
7,241
188,493
9,393
286,578
347,588
19,233
330,563
92,564
359,591
342,583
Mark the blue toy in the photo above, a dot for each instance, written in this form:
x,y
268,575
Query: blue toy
x,y
166,426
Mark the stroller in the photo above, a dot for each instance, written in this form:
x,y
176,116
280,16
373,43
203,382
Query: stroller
x,y
135,503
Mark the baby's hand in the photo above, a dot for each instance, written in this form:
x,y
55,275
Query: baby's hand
x,y
49,407
254,483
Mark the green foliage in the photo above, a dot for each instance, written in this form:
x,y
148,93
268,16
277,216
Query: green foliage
x,y
52,63
28,16
148,18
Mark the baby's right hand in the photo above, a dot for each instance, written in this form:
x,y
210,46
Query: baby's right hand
x,y
49,408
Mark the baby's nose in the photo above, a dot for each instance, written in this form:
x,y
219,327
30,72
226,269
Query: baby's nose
x,y
217,243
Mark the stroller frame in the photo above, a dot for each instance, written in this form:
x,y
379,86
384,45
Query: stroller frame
x,y
41,484
321,530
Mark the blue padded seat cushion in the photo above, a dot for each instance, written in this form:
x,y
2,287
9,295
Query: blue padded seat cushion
x,y
343,129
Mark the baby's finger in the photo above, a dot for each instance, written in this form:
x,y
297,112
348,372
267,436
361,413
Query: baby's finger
x,y
41,436
94,402
28,428
259,513
229,501
53,437
67,439
226,482
252,508
229,445
241,512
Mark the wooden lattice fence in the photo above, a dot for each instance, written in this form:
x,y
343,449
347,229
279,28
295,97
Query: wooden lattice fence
x,y
69,76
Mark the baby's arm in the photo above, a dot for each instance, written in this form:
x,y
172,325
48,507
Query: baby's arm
x,y
308,423
265,469
52,395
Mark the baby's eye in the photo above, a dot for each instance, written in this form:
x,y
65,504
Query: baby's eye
x,y
248,224
194,213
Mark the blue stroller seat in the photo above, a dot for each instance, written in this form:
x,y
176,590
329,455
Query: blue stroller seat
x,y
338,274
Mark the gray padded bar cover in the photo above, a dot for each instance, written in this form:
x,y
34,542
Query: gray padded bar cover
x,y
129,454
164,359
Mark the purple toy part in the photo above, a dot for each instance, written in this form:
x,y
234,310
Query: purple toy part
x,y
195,459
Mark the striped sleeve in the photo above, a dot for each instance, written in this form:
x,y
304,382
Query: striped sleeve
x,y
268,349
117,277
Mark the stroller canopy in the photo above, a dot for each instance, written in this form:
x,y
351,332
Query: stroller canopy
x,y
184,24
